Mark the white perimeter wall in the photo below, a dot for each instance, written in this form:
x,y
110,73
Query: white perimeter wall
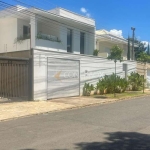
x,y
91,68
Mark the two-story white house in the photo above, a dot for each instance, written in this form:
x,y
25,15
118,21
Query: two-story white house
x,y
106,40
56,30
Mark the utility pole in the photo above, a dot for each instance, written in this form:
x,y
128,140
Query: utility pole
x,y
133,34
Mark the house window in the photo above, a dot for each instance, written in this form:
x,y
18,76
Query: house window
x,y
26,31
69,40
82,42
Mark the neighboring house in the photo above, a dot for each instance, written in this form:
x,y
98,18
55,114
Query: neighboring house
x,y
54,30
106,40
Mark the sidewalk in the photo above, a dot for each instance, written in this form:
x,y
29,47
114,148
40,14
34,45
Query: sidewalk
x,y
26,108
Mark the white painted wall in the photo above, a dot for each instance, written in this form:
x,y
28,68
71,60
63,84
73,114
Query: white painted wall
x,y
91,68
71,15
20,24
105,46
10,29
8,33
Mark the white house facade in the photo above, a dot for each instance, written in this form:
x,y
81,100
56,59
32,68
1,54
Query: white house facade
x,y
57,30
106,40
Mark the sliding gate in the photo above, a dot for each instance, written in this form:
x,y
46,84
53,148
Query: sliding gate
x,y
13,78
63,78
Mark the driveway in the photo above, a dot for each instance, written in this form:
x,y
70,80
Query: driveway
x,y
124,125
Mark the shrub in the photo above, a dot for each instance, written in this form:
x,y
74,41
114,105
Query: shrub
x,y
108,82
101,86
87,89
95,52
136,81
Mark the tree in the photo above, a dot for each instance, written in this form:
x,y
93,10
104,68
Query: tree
x,y
115,54
143,58
139,47
148,50
128,53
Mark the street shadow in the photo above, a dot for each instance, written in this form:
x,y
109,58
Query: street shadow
x,y
116,141
28,149
119,141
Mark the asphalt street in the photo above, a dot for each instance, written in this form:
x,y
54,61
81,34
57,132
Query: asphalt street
x,y
123,125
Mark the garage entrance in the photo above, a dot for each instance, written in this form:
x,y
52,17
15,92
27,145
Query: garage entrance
x,y
14,78
63,77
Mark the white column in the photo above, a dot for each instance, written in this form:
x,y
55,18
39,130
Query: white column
x,y
76,41
63,38
33,24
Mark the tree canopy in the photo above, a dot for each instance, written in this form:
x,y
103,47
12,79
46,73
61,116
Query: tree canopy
x,y
115,53
139,47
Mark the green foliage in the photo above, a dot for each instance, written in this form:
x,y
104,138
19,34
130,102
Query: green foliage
x,y
107,84
115,53
95,52
87,89
46,37
20,39
136,81
140,48
143,57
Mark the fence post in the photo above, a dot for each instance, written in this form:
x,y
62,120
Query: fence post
x,y
125,69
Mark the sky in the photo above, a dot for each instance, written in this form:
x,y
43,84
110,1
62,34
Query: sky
x,y
117,16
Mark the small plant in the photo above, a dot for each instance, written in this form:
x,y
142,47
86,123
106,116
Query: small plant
x,y
95,52
46,37
87,89
20,39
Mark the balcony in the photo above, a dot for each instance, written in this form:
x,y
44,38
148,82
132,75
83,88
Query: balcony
x,y
48,42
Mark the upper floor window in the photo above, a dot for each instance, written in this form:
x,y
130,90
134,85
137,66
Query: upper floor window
x,y
69,40
82,42
26,31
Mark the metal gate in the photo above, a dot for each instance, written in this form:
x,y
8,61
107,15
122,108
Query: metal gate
x,y
13,78
63,77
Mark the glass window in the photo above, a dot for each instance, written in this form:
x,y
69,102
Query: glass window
x,y
69,40
26,31
82,42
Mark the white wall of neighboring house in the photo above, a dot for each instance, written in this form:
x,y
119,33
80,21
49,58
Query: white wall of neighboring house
x,y
105,46
91,68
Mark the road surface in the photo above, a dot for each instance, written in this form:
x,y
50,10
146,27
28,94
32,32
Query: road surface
x,y
123,125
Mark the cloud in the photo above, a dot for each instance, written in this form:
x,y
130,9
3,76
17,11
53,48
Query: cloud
x,y
83,10
116,32
145,43
88,15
